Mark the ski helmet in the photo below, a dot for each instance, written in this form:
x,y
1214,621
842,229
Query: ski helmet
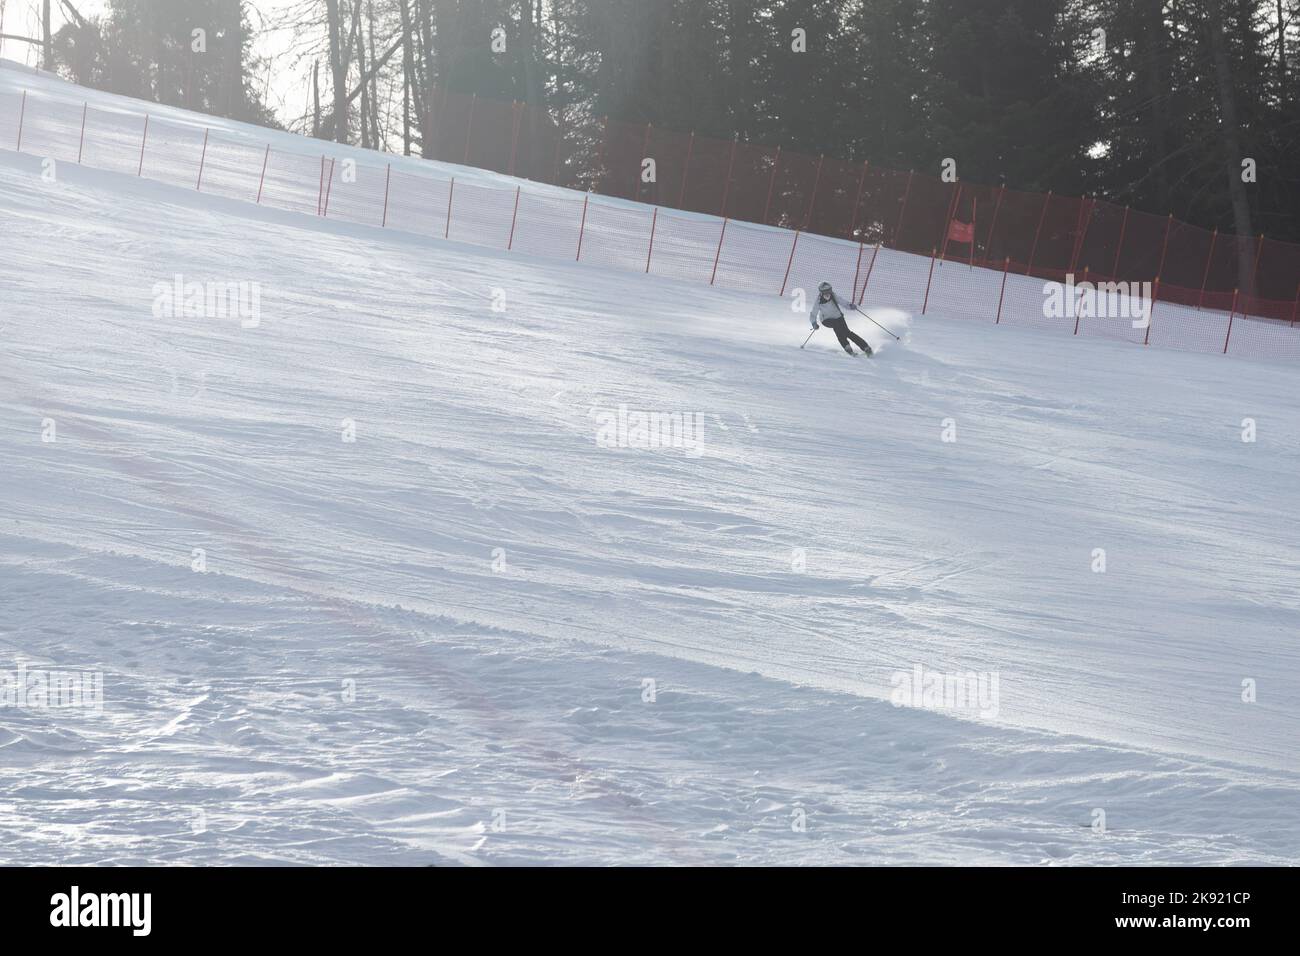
x,y
824,287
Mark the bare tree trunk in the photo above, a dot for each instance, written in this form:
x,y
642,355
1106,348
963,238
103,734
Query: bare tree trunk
x,y
339,70
557,53
561,147
315,100
235,62
357,38
531,79
1281,53
49,37
406,113
1156,66
408,75
1232,150
374,79
740,65
425,23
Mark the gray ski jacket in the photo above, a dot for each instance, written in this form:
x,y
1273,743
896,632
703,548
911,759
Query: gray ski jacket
x,y
821,311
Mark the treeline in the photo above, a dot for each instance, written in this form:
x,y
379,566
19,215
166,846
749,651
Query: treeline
x,y
191,53
1174,106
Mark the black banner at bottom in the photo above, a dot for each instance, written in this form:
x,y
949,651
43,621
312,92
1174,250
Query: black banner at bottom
x,y
335,906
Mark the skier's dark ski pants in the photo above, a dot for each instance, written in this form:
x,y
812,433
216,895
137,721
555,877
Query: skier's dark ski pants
x,y
846,335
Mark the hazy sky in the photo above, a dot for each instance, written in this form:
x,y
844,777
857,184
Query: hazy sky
x,y
286,84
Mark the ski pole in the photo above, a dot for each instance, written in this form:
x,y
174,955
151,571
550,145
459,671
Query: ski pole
x,y
878,324
810,335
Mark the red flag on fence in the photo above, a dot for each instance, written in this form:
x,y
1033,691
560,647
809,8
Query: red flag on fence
x,y
961,231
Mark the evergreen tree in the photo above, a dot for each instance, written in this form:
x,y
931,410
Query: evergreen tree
x,y
150,49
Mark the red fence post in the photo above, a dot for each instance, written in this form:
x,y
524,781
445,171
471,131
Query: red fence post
x,y
1033,252
924,305
812,201
1206,275
718,256
81,143
1001,295
583,228
1295,309
857,269
510,244
726,186
869,270
143,137
329,188
388,178
320,185
1231,316
22,114
686,171
776,164
898,226
649,252
1155,297
793,246
451,191
262,180
469,127
203,157
1123,228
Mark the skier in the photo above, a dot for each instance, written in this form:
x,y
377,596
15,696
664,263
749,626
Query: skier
x,y
830,311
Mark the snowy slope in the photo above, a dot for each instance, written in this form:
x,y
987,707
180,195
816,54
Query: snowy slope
x,y
66,124
499,585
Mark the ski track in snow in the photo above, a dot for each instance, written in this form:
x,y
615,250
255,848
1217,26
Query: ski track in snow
x,y
488,693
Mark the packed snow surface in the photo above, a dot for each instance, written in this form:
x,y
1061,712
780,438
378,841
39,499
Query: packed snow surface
x,y
447,611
